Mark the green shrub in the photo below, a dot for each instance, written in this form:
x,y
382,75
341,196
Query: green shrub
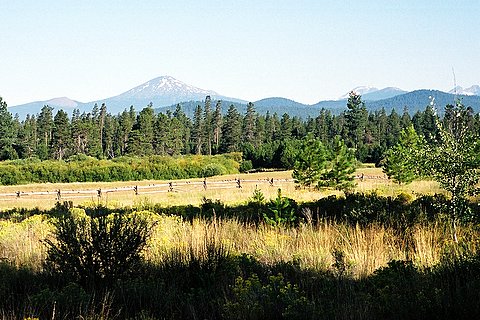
x,y
213,169
246,165
276,299
281,211
82,168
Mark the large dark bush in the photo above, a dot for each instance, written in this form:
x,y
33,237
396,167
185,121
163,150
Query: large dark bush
x,y
97,251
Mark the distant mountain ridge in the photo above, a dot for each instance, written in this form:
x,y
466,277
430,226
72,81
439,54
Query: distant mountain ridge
x,y
166,92
161,91
471,91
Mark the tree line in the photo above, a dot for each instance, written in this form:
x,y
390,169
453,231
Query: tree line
x,y
266,140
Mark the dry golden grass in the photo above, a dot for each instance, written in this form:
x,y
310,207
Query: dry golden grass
x,y
366,249
191,191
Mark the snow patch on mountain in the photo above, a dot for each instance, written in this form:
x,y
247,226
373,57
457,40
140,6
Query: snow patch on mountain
x,y
167,86
471,91
361,90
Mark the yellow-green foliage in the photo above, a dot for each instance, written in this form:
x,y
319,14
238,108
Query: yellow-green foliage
x,y
365,249
20,242
87,169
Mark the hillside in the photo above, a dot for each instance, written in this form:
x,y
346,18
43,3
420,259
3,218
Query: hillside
x,y
420,99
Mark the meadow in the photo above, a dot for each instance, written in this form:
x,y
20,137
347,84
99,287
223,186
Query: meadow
x,y
210,253
191,191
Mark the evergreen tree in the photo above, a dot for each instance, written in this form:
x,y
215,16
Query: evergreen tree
x,y
101,126
341,164
177,144
298,128
356,121
400,162
286,127
7,133
60,135
232,131
125,126
108,139
94,131
217,126
44,129
310,163
162,134
260,131
319,166
198,130
76,130
208,125
141,141
323,126
394,128
185,124
249,124
406,120
27,137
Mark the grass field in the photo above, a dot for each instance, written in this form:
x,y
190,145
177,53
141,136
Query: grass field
x,y
333,269
192,191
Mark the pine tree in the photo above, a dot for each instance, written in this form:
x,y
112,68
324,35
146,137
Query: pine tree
x,y
162,134
286,127
217,126
94,130
232,131
143,133
125,126
322,167
355,121
260,131
186,128
44,129
394,128
61,135
311,162
7,133
323,126
108,138
341,164
401,161
198,130
249,124
208,125
27,137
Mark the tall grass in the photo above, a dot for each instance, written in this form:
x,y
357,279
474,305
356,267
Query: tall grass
x,y
365,249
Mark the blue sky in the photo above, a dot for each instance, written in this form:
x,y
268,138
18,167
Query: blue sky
x,y
303,50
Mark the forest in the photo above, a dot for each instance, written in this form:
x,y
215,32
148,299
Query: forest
x,y
267,141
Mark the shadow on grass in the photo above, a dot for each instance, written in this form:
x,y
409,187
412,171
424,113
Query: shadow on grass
x,y
216,285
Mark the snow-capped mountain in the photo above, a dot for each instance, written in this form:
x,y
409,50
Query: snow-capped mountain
x,y
472,91
167,87
161,91
361,90
374,94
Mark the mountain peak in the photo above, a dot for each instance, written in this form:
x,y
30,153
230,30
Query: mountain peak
x,y
472,91
361,90
166,86
372,93
62,102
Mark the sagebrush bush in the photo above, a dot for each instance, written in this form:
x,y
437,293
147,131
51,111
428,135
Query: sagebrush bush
x,y
97,251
